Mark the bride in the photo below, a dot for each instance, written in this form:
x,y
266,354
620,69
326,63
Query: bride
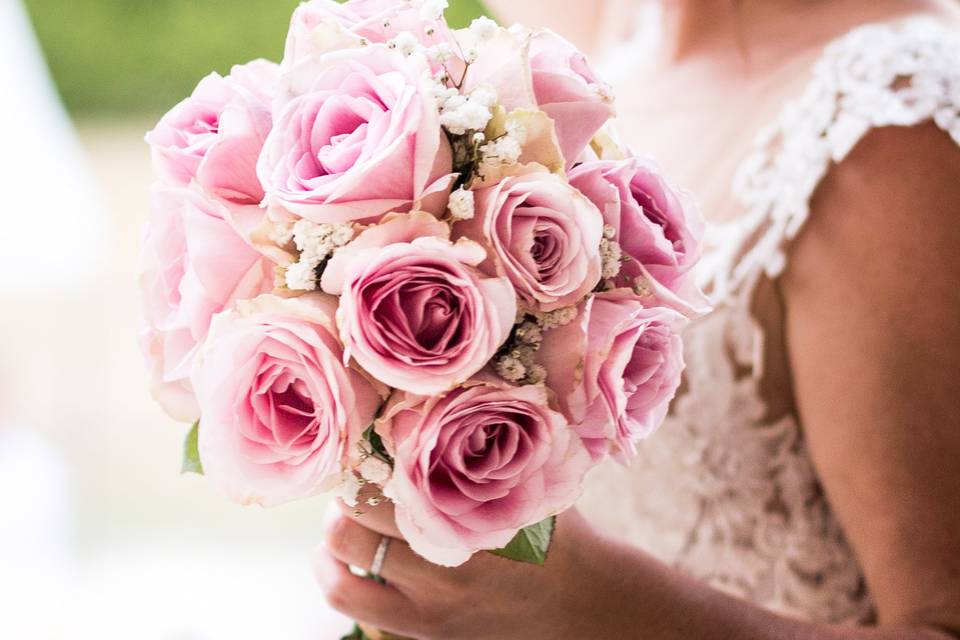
x,y
806,484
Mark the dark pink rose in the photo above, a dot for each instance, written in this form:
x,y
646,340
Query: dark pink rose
x,y
474,466
540,233
659,228
615,369
414,311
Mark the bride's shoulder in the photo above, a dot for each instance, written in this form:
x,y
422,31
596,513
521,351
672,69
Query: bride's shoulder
x,y
877,75
889,91
889,145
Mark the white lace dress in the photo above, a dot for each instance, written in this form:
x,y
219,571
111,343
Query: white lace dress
x,y
726,491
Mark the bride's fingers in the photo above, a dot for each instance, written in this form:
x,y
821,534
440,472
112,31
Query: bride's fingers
x,y
356,545
379,516
363,599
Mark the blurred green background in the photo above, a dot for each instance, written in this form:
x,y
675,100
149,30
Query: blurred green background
x,y
139,57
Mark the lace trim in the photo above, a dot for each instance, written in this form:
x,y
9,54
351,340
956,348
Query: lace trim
x,y
875,76
726,491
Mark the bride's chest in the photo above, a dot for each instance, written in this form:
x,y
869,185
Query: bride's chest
x,y
698,126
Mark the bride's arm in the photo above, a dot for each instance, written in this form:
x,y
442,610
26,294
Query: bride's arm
x,y
873,307
873,326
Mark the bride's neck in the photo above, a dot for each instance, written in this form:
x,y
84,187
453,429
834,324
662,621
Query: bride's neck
x,y
684,28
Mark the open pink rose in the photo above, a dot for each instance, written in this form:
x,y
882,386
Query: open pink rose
x,y
615,369
359,136
414,312
215,136
194,265
280,411
567,89
321,26
540,233
658,227
476,465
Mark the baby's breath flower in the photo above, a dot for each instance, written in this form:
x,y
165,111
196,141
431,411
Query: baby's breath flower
x,y
485,95
609,231
342,234
510,369
504,150
641,287
484,28
442,94
375,470
347,488
524,353
440,52
306,233
460,204
301,276
529,333
558,318
517,131
536,375
281,234
433,9
471,55
610,255
404,42
459,114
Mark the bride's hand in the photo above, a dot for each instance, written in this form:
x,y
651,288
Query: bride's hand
x,y
488,597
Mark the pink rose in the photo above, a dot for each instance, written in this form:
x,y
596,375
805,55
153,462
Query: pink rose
x,y
193,265
541,234
360,136
567,89
215,136
614,370
321,26
414,312
280,411
658,227
476,465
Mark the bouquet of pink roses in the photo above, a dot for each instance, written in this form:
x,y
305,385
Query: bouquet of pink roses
x,y
413,257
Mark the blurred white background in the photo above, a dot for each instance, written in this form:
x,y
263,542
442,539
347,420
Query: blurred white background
x,y
100,537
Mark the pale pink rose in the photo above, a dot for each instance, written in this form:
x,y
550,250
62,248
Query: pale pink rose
x,y
542,234
659,228
568,90
414,312
193,265
614,370
321,26
359,136
476,465
215,136
280,411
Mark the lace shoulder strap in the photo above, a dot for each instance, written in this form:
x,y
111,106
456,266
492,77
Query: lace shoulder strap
x,y
875,76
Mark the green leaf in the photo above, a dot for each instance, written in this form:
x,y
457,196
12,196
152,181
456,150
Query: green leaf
x,y
356,634
191,453
376,444
530,544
